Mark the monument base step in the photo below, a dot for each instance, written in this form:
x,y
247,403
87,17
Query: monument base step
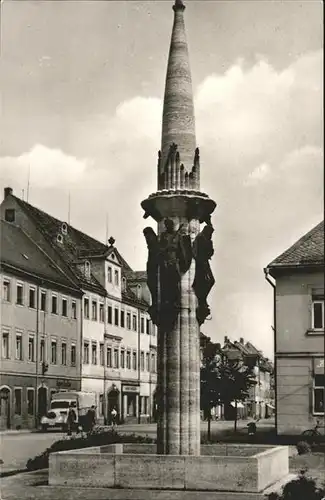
x,y
44,492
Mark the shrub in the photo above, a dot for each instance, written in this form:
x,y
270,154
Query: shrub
x,y
302,488
303,448
98,437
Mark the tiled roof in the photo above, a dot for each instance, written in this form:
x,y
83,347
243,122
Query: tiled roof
x,y
22,253
136,275
307,251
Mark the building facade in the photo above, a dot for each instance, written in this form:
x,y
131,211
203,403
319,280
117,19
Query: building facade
x,y
117,355
297,277
40,330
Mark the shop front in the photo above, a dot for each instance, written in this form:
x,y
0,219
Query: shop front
x,y
130,403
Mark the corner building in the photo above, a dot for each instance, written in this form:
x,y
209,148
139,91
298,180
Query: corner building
x,y
117,341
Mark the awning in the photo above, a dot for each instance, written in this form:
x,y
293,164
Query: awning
x,y
239,404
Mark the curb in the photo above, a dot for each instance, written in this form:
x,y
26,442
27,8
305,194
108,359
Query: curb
x,y
12,472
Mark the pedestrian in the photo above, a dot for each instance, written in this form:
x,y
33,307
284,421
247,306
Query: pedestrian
x,y
113,417
71,418
91,419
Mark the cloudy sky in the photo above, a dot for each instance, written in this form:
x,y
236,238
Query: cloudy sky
x,y
82,85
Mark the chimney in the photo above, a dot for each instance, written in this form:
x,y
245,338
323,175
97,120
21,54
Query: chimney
x,y
241,340
225,339
7,191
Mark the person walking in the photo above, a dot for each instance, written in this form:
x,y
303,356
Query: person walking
x,y
71,420
91,419
114,417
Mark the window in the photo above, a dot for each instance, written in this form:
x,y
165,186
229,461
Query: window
x,y
19,346
32,297
319,390
101,354
142,361
30,401
64,228
43,300
139,291
17,394
10,214
128,321
142,325
64,307
134,322
109,274
86,353
153,362
109,315
94,310
20,294
122,319
134,360
123,359
31,348
116,277
86,308
123,284
87,269
109,357
63,353
6,290
318,314
94,353
148,326
53,352
5,345
101,404
42,353
73,354
116,358
74,309
54,304
128,360
116,315
101,313
147,362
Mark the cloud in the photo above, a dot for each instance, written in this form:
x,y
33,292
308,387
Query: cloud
x,y
47,167
260,133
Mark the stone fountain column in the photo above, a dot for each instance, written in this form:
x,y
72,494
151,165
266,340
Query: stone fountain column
x,y
178,259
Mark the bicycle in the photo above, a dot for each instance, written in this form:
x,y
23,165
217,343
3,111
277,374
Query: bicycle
x,y
313,434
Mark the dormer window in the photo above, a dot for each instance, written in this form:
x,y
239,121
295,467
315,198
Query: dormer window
x,y
123,284
59,238
87,269
64,228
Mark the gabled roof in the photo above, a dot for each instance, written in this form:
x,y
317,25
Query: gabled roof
x,y
306,252
19,252
76,248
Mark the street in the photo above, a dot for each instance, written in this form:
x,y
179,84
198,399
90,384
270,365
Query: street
x,y
17,447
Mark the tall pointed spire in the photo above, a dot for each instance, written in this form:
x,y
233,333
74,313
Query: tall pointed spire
x,y
178,113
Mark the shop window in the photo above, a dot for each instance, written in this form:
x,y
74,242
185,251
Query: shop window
x,y
17,395
30,401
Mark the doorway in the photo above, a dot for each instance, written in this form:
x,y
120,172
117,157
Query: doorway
x,y
5,408
112,402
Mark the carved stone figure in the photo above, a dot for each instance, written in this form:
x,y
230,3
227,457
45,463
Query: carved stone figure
x,y
203,280
152,270
171,256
